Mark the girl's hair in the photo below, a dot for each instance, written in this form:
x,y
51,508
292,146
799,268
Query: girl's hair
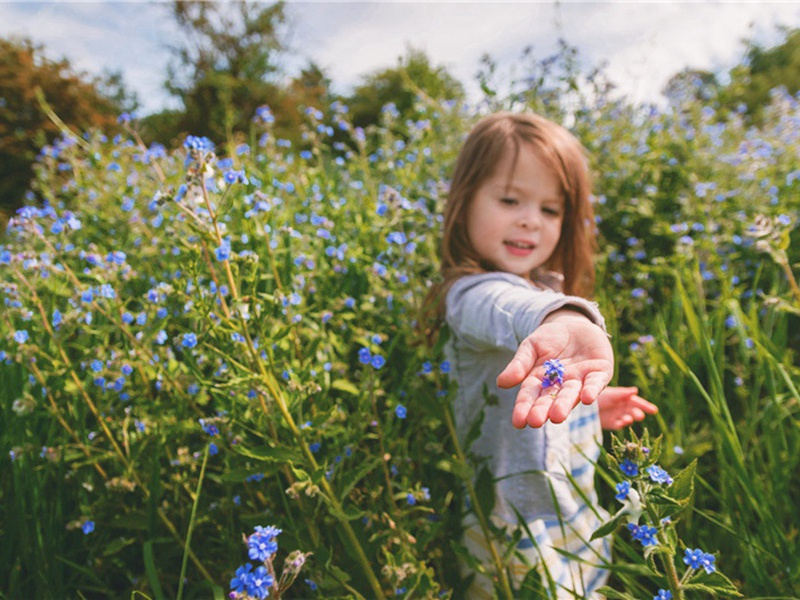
x,y
483,149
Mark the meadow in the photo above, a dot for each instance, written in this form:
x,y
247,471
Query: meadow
x,y
198,341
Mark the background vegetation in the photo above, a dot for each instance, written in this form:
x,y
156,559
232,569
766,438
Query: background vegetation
x,y
202,336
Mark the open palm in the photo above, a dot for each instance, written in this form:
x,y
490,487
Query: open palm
x,y
588,360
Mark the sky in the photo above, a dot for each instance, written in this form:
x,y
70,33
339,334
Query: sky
x,y
642,43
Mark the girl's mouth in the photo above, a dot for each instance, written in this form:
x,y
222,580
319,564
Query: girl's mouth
x,y
519,248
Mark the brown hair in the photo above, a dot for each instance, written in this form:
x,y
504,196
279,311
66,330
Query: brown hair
x,y
483,149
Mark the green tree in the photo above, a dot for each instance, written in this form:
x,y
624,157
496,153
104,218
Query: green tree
x,y
79,101
762,70
227,68
401,85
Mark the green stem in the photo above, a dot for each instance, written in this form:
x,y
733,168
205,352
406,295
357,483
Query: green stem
x,y
188,542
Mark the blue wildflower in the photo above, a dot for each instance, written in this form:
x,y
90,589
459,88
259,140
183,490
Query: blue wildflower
x,y
693,557
629,468
553,373
623,489
445,366
663,595
189,340
410,499
659,475
210,428
261,544
241,578
378,361
21,336
364,356
644,534
224,251
88,527
259,583
400,411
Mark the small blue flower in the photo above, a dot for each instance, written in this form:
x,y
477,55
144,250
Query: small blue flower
x,y
623,489
21,336
88,527
259,583
364,356
445,366
663,595
261,544
707,562
659,475
400,411
189,340
693,557
378,361
224,250
410,499
553,373
629,468
241,578
644,533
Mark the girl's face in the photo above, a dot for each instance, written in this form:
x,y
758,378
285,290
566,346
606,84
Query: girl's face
x,y
514,219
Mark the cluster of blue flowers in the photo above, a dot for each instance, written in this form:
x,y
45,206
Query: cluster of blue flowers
x,y
256,583
553,373
697,559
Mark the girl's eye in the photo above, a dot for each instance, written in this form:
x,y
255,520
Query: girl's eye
x,y
509,201
551,211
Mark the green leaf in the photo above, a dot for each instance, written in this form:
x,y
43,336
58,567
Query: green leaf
x,y
682,487
614,594
713,583
344,385
269,454
151,570
609,526
456,467
484,490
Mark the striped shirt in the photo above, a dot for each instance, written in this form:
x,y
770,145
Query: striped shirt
x,y
544,477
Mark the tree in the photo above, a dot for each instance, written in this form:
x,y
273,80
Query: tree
x,y
762,70
227,68
401,85
80,102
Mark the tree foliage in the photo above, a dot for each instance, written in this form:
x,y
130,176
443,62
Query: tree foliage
x,y
227,67
762,70
80,102
401,85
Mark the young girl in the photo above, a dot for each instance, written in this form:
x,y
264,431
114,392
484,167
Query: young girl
x,y
517,269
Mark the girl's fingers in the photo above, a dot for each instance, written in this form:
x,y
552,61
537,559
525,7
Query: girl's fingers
x,y
528,395
520,366
565,401
593,384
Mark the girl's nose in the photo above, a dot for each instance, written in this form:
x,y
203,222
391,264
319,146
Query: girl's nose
x,y
529,219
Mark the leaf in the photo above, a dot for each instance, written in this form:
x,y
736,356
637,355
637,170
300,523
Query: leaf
x,y
269,454
609,526
682,487
456,467
345,386
713,583
484,491
611,594
151,570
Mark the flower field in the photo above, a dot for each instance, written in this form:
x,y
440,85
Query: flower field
x,y
196,342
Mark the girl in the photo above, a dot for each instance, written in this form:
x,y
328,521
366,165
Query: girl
x,y
516,271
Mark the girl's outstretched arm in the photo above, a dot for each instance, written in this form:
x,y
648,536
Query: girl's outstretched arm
x,y
586,353
621,406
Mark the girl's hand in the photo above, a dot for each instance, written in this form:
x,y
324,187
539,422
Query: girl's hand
x,y
586,353
621,406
